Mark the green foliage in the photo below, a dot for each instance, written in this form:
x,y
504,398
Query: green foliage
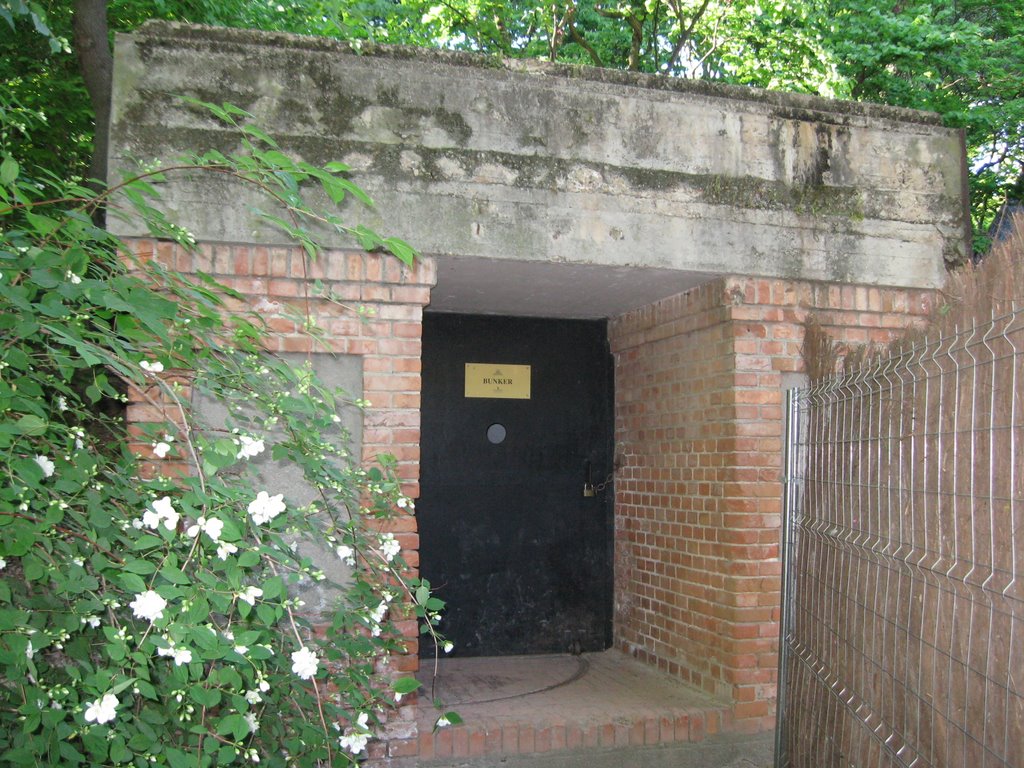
x,y
158,622
963,60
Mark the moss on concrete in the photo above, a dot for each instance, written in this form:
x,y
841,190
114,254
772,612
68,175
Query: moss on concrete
x,y
789,106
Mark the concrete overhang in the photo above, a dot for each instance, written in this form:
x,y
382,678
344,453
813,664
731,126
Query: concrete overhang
x,y
537,289
615,188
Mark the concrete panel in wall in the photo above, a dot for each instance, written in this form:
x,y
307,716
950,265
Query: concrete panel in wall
x,y
518,160
273,476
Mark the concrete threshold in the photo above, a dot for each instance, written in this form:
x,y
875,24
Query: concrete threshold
x,y
723,750
561,711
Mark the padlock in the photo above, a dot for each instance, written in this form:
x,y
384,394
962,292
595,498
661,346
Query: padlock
x,y
588,491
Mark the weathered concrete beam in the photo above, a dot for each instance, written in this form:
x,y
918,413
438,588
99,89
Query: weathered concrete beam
x,y
475,157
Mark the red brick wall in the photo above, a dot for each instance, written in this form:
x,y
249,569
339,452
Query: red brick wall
x,y
699,394
699,426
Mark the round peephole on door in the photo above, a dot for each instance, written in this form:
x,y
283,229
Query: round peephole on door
x,y
496,434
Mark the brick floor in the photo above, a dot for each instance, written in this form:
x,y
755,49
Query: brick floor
x,y
522,705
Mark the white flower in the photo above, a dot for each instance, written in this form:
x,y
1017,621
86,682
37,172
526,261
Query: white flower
x,y
265,507
254,724
72,277
250,594
29,650
389,546
164,508
241,650
148,605
404,502
346,553
442,721
162,512
161,449
354,742
102,710
448,646
264,686
152,367
224,549
62,403
249,447
379,611
46,465
92,621
253,697
304,663
212,527
182,656
3,563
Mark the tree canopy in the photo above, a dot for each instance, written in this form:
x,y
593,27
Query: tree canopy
x,y
961,58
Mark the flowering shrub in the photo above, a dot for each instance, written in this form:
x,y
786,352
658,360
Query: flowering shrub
x,y
156,622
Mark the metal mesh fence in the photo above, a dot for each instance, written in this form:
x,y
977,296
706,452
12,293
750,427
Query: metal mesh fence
x,y
903,574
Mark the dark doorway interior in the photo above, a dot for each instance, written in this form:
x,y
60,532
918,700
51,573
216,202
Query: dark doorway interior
x,y
522,557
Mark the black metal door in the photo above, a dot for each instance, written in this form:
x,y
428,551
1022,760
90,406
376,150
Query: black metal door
x,y
508,537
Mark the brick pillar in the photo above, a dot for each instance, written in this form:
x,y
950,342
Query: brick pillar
x,y
699,427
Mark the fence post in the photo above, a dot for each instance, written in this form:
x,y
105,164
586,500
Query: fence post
x,y
789,501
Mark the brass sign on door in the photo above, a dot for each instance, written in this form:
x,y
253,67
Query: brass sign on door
x,y
498,380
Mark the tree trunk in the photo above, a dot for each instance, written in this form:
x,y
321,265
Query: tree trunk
x,y
96,62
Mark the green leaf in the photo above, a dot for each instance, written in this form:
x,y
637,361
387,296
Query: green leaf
x,y
273,588
147,541
422,594
9,170
119,752
248,559
143,567
334,189
453,718
43,225
31,425
174,575
204,697
405,685
179,759
123,685
401,250
256,133
234,725
276,159
34,568
69,755
132,582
